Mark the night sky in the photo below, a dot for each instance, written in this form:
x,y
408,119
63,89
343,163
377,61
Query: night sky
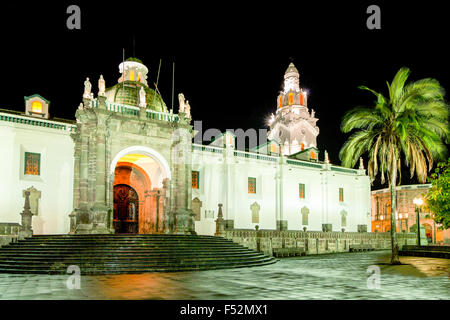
x,y
230,57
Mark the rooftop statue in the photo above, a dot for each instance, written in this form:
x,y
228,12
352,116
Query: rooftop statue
x,y
181,102
87,89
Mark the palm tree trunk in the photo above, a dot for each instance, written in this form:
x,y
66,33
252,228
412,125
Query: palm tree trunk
x,y
394,243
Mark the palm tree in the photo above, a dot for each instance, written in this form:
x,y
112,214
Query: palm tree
x,y
412,120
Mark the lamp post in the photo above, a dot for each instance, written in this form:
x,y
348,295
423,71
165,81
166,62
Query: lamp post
x,y
418,202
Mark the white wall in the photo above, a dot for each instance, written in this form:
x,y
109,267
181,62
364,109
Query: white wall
x,y
55,181
322,193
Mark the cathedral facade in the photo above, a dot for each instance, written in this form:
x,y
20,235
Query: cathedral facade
x,y
129,165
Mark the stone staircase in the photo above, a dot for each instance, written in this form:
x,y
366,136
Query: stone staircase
x,y
115,254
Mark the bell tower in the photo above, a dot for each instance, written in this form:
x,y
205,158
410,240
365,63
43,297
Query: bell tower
x,y
294,126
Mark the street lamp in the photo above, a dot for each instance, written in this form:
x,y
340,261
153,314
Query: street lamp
x,y
418,202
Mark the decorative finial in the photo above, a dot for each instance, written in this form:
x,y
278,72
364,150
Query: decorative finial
x,y
327,160
361,164
101,86
87,89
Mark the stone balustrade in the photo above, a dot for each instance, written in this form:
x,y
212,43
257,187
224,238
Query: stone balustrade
x,y
314,242
9,232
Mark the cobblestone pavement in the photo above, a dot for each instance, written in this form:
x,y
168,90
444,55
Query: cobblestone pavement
x,y
333,276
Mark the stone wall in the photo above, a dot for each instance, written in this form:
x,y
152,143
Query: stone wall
x,y
9,232
314,242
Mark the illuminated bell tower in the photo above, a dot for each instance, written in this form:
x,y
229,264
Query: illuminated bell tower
x,y
293,126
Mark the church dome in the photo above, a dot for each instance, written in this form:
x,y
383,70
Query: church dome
x,y
133,78
291,69
127,93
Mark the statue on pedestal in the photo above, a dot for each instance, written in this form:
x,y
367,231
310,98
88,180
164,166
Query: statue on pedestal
x,y
142,94
87,89
187,109
101,86
181,102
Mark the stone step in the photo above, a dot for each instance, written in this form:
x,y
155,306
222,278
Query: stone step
x,y
104,254
178,268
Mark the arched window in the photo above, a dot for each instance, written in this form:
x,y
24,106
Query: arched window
x,y
281,102
313,155
139,77
301,98
132,75
36,106
291,98
302,146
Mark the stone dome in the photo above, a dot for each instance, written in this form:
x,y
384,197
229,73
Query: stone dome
x,y
127,93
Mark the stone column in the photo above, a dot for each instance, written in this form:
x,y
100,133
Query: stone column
x,y
282,224
26,230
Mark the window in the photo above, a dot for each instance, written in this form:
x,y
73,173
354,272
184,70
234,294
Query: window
x,y
132,75
251,185
291,98
32,163
195,179
36,107
341,194
313,155
273,148
301,191
302,146
281,102
301,98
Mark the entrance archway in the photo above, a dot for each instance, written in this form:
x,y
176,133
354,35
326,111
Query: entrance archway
x,y
146,176
126,209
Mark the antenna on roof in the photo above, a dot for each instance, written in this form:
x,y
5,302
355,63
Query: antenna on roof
x,y
123,68
173,81
159,69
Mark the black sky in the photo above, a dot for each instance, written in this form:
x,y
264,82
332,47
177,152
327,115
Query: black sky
x,y
230,56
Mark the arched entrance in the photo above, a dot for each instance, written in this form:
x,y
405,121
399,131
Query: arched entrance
x,y
126,209
139,190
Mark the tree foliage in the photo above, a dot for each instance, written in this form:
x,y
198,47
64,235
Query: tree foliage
x,y
412,121
438,198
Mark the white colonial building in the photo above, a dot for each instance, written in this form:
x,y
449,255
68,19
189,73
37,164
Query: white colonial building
x,y
128,164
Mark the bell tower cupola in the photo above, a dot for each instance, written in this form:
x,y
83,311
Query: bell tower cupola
x,y
294,126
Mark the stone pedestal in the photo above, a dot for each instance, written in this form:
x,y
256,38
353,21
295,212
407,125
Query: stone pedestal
x,y
282,225
185,222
